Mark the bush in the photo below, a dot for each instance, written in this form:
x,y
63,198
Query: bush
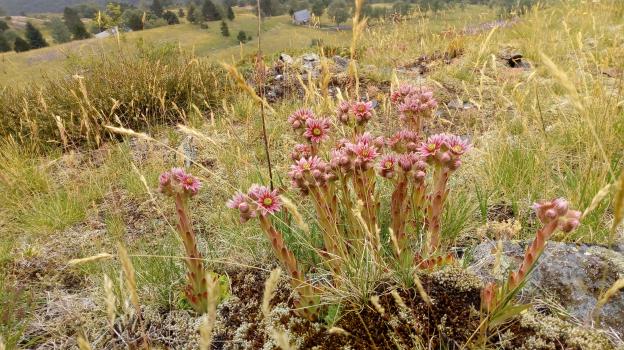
x,y
154,86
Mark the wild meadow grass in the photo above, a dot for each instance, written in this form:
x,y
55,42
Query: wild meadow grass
x,y
556,130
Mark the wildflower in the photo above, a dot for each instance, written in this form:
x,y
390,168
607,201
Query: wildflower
x,y
404,141
456,145
299,117
367,138
363,111
190,183
240,202
387,166
178,181
301,151
364,154
558,209
316,130
398,96
267,201
417,104
343,112
433,145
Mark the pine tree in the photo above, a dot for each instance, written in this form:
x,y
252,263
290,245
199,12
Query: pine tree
x,y
34,36
3,26
210,11
59,31
157,8
21,45
230,13
4,44
242,37
225,31
74,24
171,18
191,14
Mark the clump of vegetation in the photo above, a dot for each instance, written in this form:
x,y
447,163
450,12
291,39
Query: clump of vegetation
x,y
148,88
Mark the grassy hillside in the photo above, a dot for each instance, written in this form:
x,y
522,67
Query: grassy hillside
x,y
16,7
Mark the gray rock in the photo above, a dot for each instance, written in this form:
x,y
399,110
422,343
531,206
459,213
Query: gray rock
x,y
341,62
459,104
286,58
574,276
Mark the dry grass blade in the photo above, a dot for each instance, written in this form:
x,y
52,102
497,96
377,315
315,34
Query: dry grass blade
x,y
597,199
129,274
128,132
618,205
98,257
83,344
240,81
338,330
292,209
281,340
269,290
613,290
421,290
2,346
110,300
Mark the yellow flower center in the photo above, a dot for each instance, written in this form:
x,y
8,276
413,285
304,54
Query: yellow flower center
x,y
365,153
189,181
267,201
457,148
431,146
388,164
317,131
306,166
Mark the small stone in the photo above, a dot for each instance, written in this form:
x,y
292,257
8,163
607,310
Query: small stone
x,y
286,58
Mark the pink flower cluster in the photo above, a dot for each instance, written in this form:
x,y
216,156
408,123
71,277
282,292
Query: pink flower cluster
x,y
444,150
299,117
404,141
558,209
356,112
316,130
178,181
413,103
358,155
309,172
259,200
411,164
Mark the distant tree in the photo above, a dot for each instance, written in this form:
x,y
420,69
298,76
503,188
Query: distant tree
x,y
401,7
171,18
230,13
3,26
270,8
318,8
74,24
157,8
225,31
338,10
210,11
133,19
5,46
192,15
181,13
59,31
242,37
87,10
21,45
34,36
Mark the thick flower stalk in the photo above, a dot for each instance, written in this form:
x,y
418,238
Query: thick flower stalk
x,y
443,152
260,202
182,186
408,171
554,215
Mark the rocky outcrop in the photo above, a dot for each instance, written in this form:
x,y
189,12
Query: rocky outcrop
x,y
572,276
